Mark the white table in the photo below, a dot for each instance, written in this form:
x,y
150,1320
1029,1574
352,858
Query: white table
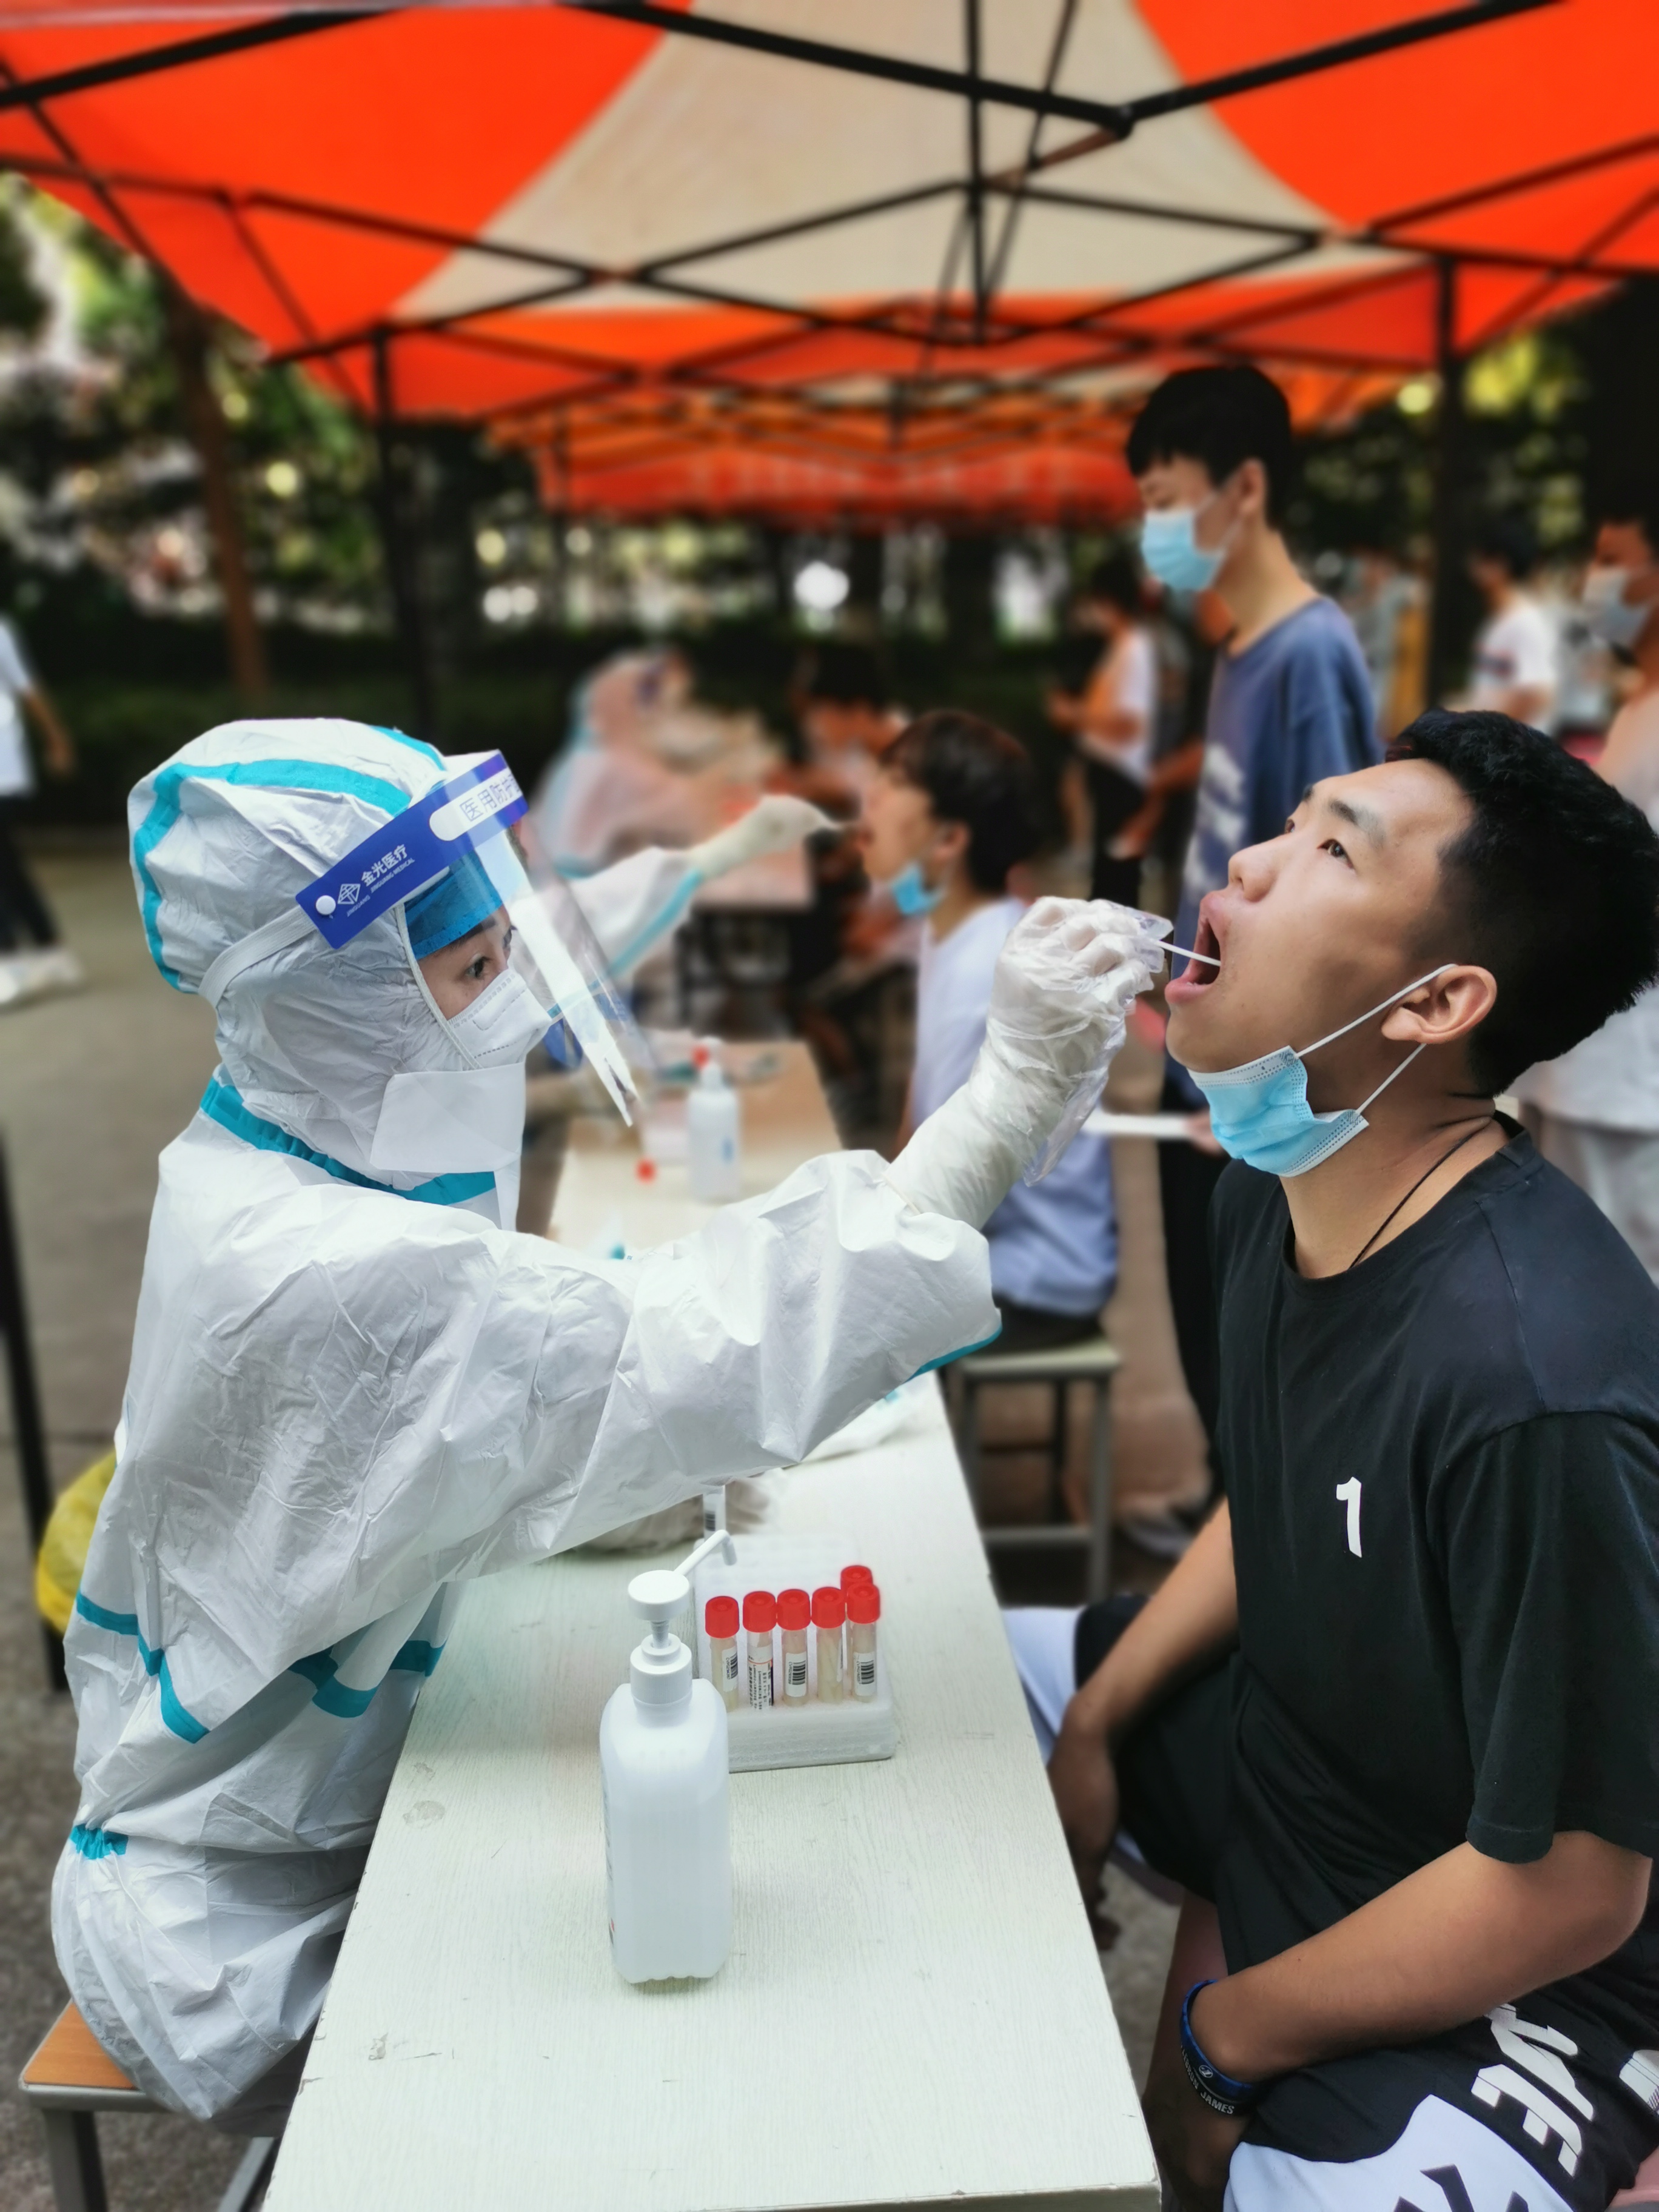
x,y
913,2010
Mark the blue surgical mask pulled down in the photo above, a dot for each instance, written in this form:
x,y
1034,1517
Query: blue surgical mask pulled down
x,y
1259,1111
1170,547
910,894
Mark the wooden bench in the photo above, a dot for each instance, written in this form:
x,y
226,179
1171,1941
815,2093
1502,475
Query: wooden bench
x,y
70,2080
1092,1360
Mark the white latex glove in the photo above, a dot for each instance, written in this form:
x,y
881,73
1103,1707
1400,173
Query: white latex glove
x,y
779,821
1062,988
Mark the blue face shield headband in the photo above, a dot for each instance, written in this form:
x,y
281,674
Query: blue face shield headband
x,y
1258,1112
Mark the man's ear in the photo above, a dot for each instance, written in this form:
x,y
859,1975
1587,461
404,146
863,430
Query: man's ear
x,y
952,840
1250,478
1445,1009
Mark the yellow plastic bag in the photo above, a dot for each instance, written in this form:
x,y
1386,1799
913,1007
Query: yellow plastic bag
x,y
63,1547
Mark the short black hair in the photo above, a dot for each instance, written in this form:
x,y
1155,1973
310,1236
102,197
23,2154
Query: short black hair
x,y
1509,538
974,773
1116,578
1222,417
1633,498
1554,886
846,674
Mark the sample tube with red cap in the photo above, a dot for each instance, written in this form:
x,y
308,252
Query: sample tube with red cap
x,y
863,1612
719,1618
794,1618
830,1618
760,1618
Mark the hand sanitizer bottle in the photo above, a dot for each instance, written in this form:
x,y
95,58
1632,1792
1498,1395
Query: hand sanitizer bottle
x,y
713,1166
663,1763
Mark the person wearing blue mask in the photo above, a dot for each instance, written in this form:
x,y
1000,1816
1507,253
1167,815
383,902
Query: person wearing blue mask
x,y
947,819
1290,702
1390,1721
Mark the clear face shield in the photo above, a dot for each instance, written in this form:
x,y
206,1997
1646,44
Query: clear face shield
x,y
451,873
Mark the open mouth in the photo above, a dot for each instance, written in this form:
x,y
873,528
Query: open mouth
x,y
1202,970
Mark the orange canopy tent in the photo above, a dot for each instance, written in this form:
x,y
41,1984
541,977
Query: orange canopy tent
x,y
766,255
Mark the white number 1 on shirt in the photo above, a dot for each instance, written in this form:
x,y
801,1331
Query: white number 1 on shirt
x,y
1349,1491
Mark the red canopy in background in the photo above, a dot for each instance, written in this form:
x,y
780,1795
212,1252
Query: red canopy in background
x,y
696,275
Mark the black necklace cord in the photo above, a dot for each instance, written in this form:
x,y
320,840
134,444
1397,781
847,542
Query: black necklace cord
x,y
1468,1137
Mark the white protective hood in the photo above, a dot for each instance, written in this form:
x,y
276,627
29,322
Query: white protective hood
x,y
223,837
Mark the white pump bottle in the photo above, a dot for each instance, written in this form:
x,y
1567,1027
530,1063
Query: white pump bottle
x,y
714,1125
663,1761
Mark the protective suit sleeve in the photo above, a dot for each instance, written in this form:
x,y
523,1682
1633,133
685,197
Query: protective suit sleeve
x,y
351,1399
632,906
777,821
1062,988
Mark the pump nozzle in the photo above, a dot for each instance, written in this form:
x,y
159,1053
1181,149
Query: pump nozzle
x,y
661,1668
716,1540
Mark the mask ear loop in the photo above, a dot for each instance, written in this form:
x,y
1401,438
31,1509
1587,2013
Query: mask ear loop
x,y
1370,1013
1387,1003
424,988
1388,1079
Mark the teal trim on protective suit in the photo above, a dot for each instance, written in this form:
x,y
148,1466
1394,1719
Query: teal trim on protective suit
x,y
118,1623
658,925
345,1704
222,1102
97,1842
348,1705
403,737
182,1723
966,1352
280,775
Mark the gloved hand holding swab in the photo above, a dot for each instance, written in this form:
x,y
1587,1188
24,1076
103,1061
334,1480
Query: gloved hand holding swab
x,y
1062,988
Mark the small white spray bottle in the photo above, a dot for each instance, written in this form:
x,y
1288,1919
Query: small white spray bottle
x,y
713,1123
663,1763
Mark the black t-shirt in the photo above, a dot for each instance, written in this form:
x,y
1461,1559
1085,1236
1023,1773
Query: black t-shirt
x,y
1443,1474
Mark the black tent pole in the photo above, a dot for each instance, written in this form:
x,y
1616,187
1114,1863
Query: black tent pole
x,y
398,506
28,1437
1448,533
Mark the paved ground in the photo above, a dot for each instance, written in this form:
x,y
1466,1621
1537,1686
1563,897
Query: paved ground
x,y
90,1088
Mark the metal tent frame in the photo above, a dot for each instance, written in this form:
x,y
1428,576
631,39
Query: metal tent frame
x,y
954,357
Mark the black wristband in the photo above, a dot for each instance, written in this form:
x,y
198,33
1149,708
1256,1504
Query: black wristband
x,y
1232,2099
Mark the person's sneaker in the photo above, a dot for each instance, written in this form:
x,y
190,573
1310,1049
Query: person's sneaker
x,y
26,975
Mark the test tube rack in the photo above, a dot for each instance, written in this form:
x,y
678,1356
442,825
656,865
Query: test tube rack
x,y
811,1733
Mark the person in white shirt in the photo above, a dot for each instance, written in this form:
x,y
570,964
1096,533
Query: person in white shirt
x,y
1594,1111
946,819
25,917
1113,722
1518,653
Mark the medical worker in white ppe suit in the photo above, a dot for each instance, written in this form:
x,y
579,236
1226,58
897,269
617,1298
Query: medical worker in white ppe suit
x,y
355,1388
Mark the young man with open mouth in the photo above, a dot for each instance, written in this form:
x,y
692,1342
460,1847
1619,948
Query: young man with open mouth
x,y
1393,1723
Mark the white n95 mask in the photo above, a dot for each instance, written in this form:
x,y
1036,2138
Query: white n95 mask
x,y
437,1121
503,1024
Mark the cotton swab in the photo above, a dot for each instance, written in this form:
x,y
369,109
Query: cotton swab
x,y
1205,958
